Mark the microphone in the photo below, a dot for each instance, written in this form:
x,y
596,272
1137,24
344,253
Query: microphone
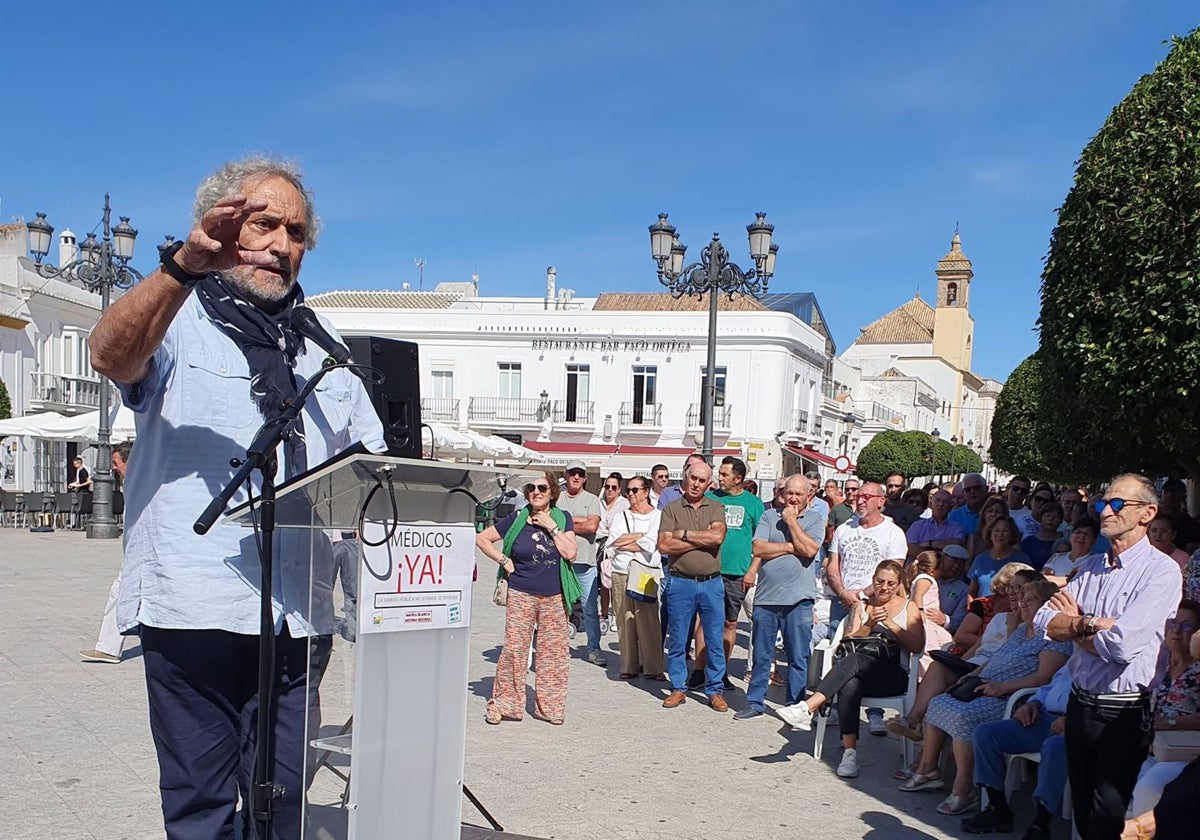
x,y
305,323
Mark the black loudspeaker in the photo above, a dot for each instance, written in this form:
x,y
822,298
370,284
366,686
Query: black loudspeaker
x,y
397,399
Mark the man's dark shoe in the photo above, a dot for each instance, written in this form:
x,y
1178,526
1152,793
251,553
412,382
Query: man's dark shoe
x,y
989,821
747,713
1036,832
675,698
717,701
728,683
696,680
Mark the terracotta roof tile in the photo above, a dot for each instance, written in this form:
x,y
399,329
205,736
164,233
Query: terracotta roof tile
x,y
664,302
911,323
383,300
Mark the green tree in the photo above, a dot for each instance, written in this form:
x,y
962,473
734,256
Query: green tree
x,y
5,402
1120,318
1015,425
888,451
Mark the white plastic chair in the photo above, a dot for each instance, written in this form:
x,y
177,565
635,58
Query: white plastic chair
x,y
900,702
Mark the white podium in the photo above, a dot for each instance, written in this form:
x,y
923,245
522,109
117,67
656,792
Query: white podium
x,y
388,711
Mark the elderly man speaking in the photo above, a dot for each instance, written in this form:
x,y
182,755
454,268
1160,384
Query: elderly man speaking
x,y
204,352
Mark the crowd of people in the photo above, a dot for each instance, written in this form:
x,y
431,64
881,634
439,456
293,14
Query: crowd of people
x,y
1040,620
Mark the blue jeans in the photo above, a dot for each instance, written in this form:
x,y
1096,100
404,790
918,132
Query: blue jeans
x,y
795,623
995,739
685,598
590,582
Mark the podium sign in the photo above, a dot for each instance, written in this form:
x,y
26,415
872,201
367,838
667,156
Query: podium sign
x,y
388,699
418,579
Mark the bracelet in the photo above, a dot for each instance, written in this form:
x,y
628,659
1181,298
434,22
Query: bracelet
x,y
174,270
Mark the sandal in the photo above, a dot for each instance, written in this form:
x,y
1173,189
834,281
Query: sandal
x,y
492,715
925,781
954,804
897,726
905,773
625,675
659,677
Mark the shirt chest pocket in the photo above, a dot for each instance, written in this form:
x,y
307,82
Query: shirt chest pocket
x,y
217,393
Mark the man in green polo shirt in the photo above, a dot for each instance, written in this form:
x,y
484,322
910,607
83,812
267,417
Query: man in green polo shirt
x,y
743,510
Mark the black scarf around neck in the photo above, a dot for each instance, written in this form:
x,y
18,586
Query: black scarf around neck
x,y
270,346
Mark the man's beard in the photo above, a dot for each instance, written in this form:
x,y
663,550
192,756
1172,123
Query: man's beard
x,y
268,296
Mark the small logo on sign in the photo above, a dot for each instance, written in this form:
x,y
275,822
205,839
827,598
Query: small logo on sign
x,y
455,614
377,619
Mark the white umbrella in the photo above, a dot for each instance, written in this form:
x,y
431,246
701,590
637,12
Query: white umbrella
x,y
27,426
514,451
51,425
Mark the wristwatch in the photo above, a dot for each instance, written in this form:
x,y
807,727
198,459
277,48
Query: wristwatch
x,y
555,531
174,269
684,537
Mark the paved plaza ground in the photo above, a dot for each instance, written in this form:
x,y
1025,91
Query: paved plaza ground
x,y
78,761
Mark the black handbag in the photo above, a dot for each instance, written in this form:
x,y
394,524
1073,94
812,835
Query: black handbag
x,y
875,646
965,689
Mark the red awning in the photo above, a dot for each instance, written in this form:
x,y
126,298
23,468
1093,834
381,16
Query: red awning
x,y
814,455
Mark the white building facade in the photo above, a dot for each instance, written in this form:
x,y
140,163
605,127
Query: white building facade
x,y
44,359
615,381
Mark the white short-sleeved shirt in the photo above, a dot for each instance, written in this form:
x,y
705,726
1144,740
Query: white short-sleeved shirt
x,y
860,549
194,413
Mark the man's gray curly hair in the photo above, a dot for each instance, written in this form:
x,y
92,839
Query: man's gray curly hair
x,y
231,176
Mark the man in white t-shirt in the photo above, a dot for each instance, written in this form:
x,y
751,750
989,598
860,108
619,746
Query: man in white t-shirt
x,y
858,546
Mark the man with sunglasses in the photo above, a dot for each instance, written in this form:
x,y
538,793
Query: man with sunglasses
x,y
1114,609
1016,495
1043,499
974,490
660,477
584,508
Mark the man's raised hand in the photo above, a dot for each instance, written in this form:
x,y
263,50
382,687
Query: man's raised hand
x,y
212,243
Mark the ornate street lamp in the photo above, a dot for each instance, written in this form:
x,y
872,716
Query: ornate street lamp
x,y
713,275
101,266
953,446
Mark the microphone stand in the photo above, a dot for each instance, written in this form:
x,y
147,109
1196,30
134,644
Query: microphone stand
x,y
261,456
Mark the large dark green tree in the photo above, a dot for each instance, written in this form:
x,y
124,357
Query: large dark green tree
x,y
1015,432
889,451
5,402
1120,319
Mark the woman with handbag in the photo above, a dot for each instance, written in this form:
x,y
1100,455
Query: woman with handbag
x,y
868,660
633,548
1025,660
535,561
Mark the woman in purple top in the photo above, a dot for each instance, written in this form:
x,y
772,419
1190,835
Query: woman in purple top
x,y
535,599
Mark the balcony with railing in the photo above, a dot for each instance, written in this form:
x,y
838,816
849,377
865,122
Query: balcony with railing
x,y
516,411
644,415
881,413
439,408
722,416
800,420
66,394
578,411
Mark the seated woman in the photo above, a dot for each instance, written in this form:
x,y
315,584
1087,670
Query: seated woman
x,y
537,540
1026,660
1005,538
1038,547
981,610
1176,705
1162,534
940,676
980,541
1061,567
885,612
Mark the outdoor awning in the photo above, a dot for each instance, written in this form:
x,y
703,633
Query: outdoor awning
x,y
819,457
50,425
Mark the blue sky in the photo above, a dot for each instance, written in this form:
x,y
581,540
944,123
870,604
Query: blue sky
x,y
505,137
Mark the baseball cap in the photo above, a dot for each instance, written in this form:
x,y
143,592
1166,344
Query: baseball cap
x,y
575,465
957,552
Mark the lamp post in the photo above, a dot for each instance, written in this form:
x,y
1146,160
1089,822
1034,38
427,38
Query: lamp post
x,y
713,275
844,440
100,267
936,435
953,444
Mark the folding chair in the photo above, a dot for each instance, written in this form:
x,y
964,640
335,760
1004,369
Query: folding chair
x,y
900,702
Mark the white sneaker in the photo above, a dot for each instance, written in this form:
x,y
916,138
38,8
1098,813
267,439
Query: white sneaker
x,y
875,722
797,716
848,769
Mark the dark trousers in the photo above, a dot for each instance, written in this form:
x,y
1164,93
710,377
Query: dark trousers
x,y
1106,745
202,687
854,676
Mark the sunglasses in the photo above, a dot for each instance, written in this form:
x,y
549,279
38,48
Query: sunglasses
x,y
1044,498
629,490
612,486
1116,504
540,488
1184,627
577,473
